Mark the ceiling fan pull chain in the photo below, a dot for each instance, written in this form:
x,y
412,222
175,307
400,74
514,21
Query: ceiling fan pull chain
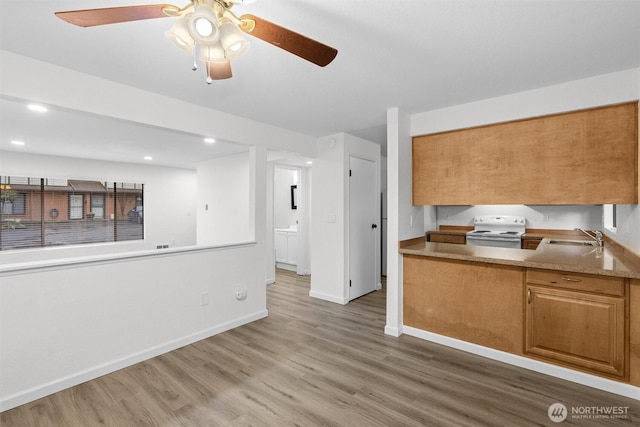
x,y
195,62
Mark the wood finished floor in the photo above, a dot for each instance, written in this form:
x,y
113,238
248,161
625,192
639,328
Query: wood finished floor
x,y
315,363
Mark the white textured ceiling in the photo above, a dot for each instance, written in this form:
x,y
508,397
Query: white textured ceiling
x,y
418,55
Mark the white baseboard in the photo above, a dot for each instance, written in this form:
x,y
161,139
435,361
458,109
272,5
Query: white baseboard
x,y
604,384
43,390
285,266
327,297
393,331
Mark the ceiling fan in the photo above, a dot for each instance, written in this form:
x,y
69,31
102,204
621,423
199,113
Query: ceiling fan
x,y
210,28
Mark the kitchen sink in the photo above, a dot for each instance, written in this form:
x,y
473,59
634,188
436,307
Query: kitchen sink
x,y
573,242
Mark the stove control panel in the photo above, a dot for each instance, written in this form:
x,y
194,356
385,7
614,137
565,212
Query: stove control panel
x,y
499,223
499,220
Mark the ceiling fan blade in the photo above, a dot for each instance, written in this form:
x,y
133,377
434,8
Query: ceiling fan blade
x,y
302,46
114,15
219,70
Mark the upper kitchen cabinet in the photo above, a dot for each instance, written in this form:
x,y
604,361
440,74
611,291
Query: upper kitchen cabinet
x,y
582,157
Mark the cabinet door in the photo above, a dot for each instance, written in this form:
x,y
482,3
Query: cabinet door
x,y
281,247
292,249
559,159
474,302
578,329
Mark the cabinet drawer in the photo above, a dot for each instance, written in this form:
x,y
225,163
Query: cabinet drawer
x,y
577,281
448,238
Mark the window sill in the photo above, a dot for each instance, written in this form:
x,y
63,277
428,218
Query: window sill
x,y
64,263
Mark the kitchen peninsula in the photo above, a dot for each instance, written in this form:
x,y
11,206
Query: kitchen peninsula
x,y
567,304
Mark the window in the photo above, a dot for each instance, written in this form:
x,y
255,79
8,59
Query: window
x,y
609,217
38,212
13,203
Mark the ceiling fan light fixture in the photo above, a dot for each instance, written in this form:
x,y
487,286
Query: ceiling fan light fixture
x,y
203,25
233,42
179,35
212,53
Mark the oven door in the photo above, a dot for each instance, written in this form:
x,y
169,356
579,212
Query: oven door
x,y
496,242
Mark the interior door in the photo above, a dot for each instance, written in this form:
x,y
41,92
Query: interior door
x,y
363,225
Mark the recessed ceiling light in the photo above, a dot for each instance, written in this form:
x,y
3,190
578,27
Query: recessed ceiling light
x,y
210,140
148,158
38,108
17,143
309,162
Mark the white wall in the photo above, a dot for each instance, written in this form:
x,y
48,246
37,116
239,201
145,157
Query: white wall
x,y
304,221
565,217
223,200
62,326
169,200
284,216
405,220
270,262
628,227
623,86
328,221
329,214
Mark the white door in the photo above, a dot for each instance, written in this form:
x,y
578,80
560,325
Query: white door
x,y
75,206
363,225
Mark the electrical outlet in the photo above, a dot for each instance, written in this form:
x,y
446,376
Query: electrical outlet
x,y
204,298
241,293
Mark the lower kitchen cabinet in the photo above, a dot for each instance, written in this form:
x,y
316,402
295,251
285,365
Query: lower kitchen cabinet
x,y
475,302
286,243
579,321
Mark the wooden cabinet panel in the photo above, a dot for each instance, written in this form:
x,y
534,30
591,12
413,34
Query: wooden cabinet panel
x,y
474,302
436,237
577,281
577,329
570,158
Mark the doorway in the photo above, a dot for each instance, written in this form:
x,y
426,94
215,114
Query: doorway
x,y
363,226
288,217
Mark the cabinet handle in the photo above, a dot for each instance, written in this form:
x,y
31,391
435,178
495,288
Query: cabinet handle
x,y
528,296
570,279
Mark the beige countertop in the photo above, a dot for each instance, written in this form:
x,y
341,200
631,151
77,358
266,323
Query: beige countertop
x,y
607,260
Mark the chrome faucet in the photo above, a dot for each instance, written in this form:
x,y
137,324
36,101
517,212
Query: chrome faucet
x,y
596,236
